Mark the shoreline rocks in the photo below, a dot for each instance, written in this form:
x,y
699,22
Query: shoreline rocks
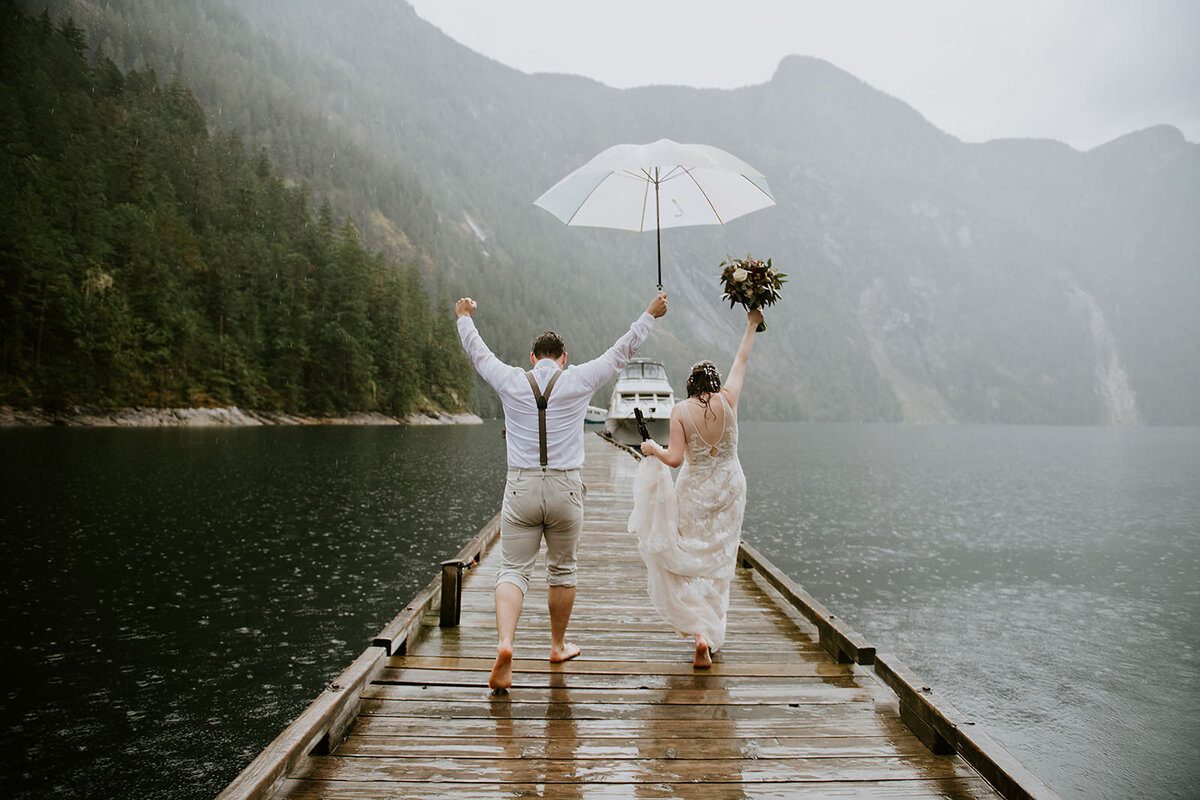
x,y
230,416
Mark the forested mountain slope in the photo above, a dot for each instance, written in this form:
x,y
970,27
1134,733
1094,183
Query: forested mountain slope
x,y
147,261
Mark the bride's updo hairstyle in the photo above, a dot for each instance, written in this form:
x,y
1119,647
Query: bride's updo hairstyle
x,y
703,382
705,379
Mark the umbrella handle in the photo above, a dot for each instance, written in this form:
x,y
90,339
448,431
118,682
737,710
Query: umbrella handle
x,y
641,424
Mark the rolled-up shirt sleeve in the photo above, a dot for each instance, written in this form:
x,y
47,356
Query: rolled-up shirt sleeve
x,y
490,368
599,370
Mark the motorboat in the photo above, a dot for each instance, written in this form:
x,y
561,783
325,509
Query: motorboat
x,y
641,385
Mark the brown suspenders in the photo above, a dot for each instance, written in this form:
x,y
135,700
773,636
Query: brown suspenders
x,y
541,405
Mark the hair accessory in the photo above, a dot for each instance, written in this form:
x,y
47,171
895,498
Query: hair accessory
x,y
704,379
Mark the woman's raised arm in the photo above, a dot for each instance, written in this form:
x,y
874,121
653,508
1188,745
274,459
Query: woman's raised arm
x,y
737,373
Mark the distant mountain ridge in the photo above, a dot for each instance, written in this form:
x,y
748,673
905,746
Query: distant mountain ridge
x,y
931,280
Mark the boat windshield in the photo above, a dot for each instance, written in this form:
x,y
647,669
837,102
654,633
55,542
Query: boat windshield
x,y
644,370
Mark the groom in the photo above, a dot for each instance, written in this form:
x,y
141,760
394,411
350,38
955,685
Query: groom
x,y
543,496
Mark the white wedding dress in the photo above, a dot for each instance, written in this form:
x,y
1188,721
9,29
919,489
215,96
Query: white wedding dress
x,y
688,532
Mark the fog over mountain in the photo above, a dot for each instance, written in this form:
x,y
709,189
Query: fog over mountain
x,y
930,280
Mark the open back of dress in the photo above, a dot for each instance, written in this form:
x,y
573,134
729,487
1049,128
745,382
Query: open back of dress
x,y
688,532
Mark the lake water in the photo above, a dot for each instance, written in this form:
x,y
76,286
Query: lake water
x,y
1044,580
173,598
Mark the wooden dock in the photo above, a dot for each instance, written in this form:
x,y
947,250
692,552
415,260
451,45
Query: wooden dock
x,y
795,705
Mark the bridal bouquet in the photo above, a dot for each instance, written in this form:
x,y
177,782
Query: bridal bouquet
x,y
751,282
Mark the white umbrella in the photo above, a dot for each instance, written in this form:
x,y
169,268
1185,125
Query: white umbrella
x,y
664,184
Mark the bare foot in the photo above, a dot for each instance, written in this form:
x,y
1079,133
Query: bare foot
x,y
703,658
568,652
501,677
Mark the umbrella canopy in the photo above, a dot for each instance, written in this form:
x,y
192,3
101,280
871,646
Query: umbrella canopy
x,y
664,184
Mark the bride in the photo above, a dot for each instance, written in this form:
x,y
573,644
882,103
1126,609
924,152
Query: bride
x,y
688,533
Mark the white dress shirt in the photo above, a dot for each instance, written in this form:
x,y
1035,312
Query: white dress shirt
x,y
568,399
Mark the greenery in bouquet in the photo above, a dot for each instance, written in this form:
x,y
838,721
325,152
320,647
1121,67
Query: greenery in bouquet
x,y
751,282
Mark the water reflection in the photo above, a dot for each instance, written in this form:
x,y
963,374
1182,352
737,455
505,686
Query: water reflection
x,y
561,766
679,742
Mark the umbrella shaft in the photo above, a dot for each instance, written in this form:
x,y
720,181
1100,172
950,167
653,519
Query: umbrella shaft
x,y
658,228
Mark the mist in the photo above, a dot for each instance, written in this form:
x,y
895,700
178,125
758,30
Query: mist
x,y
930,279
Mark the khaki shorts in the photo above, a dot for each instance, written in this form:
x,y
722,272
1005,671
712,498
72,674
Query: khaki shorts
x,y
540,503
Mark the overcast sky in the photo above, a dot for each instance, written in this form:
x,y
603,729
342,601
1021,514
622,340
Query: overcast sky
x,y
1080,71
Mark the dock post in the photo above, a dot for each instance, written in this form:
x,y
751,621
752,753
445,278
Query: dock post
x,y
928,735
829,643
451,592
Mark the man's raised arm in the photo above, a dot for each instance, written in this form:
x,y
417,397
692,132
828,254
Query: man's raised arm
x,y
597,371
490,368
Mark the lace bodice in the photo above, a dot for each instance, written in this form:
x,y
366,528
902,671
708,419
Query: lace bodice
x,y
699,450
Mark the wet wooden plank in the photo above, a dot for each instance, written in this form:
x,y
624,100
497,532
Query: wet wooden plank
x,y
648,681
915,789
403,770
422,745
480,626
674,648
598,601
631,622
763,646
829,723
732,667
467,707
825,722
652,691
